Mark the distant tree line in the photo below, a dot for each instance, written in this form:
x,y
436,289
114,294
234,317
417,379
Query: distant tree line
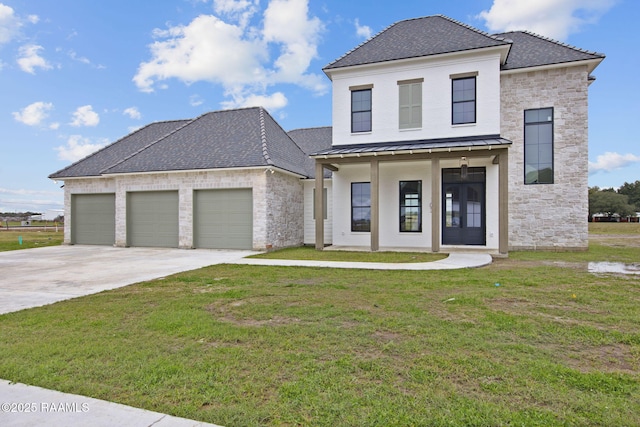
x,y
18,216
623,202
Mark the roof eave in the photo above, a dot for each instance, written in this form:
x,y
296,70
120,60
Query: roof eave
x,y
590,63
503,49
469,148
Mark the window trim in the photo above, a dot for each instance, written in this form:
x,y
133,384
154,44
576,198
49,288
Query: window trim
x,y
402,205
360,207
467,76
525,124
362,88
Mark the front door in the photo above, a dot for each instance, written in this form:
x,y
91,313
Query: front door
x,y
463,206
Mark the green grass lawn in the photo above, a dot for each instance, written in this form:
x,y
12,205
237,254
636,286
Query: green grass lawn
x,y
251,346
10,240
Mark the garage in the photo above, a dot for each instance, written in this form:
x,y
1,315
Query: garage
x,y
223,219
93,219
152,219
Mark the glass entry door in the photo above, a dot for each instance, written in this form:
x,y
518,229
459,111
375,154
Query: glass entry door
x,y
463,206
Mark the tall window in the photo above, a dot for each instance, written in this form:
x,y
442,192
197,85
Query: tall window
x,y
463,95
538,146
360,206
361,110
410,104
410,206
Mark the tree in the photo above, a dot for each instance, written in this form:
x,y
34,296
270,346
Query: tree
x,y
609,203
633,192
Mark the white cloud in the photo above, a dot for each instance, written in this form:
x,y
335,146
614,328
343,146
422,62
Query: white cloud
x,y
610,161
238,10
25,192
33,114
195,100
235,54
271,102
30,59
85,116
54,126
9,24
551,18
363,31
77,148
34,19
133,113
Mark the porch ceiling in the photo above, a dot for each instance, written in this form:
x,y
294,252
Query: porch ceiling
x,y
487,142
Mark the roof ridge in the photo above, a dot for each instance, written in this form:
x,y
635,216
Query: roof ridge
x,y
115,142
474,29
308,128
558,42
189,121
263,137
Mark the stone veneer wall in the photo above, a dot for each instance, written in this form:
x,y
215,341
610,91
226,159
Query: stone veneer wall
x,y
277,201
548,216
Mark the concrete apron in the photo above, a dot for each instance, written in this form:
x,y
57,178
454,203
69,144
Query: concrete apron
x,y
36,277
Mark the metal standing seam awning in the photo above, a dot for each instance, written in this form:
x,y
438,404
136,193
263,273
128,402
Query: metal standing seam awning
x,y
438,148
488,142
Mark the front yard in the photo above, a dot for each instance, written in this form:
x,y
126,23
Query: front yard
x,y
531,340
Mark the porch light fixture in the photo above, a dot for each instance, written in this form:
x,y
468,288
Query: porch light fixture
x,y
464,165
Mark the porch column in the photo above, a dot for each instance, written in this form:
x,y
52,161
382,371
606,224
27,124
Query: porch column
x,y
435,205
503,202
318,206
375,208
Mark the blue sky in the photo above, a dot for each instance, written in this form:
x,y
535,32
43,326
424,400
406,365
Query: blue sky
x,y
76,74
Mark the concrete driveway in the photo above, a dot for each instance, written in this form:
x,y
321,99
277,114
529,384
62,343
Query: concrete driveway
x,y
35,277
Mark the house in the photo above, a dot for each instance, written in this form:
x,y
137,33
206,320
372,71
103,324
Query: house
x,y
443,138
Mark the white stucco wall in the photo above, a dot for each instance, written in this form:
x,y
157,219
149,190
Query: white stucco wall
x,y
390,175
436,97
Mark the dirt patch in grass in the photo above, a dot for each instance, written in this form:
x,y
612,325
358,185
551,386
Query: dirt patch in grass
x,y
226,312
611,358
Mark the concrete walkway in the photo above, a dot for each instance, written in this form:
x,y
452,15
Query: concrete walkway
x,y
453,261
42,276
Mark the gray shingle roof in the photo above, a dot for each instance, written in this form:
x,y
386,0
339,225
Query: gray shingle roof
x,y
312,140
531,50
95,163
222,139
413,38
434,35
482,141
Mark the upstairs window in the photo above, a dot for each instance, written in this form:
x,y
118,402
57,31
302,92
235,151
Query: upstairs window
x,y
463,96
538,146
361,110
410,94
360,206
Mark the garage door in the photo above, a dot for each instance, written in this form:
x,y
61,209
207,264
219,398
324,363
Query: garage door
x,y
93,219
223,219
152,219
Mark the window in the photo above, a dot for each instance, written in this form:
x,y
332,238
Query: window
x,y
538,146
410,104
463,95
360,206
361,110
410,206
324,203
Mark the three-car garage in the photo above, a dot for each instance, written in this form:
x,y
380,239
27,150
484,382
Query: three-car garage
x,y
222,219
